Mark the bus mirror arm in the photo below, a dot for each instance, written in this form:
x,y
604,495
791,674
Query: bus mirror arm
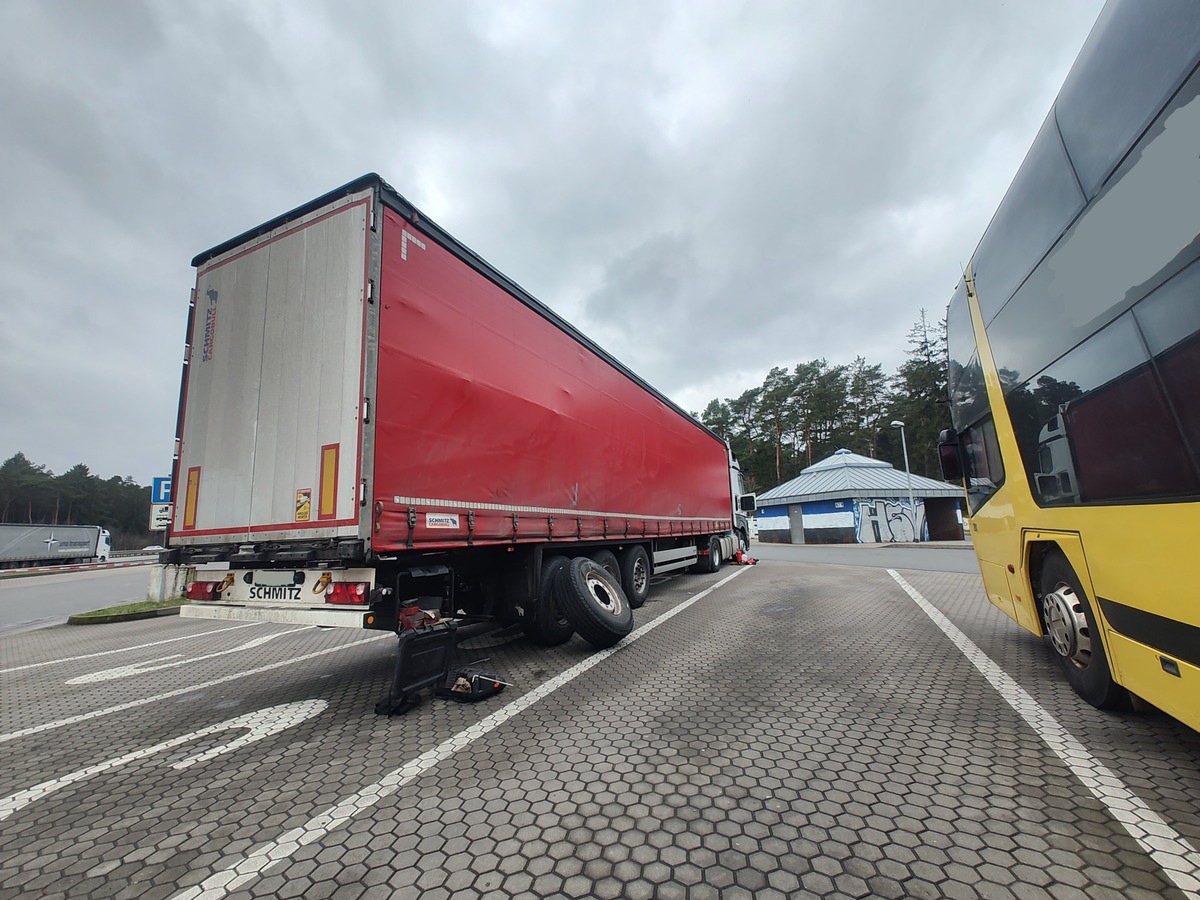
x,y
948,454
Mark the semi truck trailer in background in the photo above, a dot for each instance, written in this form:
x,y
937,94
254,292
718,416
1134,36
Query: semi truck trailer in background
x,y
379,430
53,545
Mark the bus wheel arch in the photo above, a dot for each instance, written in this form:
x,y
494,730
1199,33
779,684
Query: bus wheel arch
x,y
1070,623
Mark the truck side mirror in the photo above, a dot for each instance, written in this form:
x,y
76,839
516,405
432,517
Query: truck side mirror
x,y
747,503
952,468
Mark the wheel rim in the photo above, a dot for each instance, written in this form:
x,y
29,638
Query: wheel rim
x,y
1066,625
639,576
715,553
605,596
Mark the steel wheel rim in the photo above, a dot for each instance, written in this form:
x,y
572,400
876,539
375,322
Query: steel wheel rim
x,y
1067,626
639,576
599,588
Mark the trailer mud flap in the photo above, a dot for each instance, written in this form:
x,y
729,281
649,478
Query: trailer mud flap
x,y
422,660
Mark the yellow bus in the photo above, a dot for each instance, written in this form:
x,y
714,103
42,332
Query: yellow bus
x,y
1074,370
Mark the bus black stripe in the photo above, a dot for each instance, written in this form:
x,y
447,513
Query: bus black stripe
x,y
1176,639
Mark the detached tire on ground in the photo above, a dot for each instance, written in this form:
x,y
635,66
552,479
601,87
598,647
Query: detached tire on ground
x,y
548,626
635,574
1071,627
592,600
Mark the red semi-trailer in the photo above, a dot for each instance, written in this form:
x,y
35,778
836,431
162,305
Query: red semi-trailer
x,y
379,430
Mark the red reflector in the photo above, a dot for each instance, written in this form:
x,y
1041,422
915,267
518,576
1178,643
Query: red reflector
x,y
200,590
346,592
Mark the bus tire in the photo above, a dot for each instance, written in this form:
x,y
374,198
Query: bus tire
x,y
594,603
548,626
1071,627
635,575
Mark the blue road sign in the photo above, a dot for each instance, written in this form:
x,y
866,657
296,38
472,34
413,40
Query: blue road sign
x,y
161,492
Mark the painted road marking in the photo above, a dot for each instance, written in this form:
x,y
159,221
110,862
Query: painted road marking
x,y
133,704
143,667
67,659
1170,850
259,724
261,858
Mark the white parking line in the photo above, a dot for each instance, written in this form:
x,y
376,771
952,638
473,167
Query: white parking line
x,y
258,860
260,724
67,659
133,704
142,668
1170,850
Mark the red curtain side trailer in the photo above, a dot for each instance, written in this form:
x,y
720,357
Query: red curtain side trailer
x,y
373,419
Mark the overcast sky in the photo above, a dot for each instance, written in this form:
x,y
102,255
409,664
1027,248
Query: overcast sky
x,y
708,189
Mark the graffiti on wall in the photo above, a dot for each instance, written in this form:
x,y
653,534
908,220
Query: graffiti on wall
x,y
887,521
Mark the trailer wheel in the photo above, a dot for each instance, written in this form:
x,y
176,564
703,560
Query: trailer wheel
x,y
608,560
712,562
594,603
635,575
1071,627
548,626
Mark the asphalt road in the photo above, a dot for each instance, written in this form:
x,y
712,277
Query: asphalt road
x,y
28,601
787,729
954,558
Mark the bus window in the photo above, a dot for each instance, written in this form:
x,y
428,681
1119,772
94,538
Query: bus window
x,y
1095,427
1040,203
1138,233
968,396
1129,67
1170,320
984,466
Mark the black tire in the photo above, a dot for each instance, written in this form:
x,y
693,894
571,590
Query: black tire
x,y
594,603
712,562
548,626
635,575
743,542
1070,625
608,560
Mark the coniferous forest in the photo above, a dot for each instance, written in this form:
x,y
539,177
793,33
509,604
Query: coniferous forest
x,y
799,416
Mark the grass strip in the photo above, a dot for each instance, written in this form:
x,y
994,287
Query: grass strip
x,y
140,606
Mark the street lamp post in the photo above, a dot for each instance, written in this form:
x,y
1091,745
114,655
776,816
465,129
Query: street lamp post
x,y
896,423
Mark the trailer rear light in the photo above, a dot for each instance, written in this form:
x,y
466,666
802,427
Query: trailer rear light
x,y
346,592
200,590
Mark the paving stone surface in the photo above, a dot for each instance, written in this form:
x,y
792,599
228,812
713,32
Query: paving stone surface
x,y
800,731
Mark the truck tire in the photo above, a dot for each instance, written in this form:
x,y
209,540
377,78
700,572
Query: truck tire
x,y
608,560
594,603
1070,624
712,562
548,626
635,575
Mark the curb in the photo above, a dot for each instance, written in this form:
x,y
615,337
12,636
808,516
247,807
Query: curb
x,y
123,617
33,571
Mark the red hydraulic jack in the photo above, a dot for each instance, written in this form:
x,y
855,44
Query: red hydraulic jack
x,y
744,559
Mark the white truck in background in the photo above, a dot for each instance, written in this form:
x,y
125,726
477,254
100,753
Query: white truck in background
x,y
53,545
